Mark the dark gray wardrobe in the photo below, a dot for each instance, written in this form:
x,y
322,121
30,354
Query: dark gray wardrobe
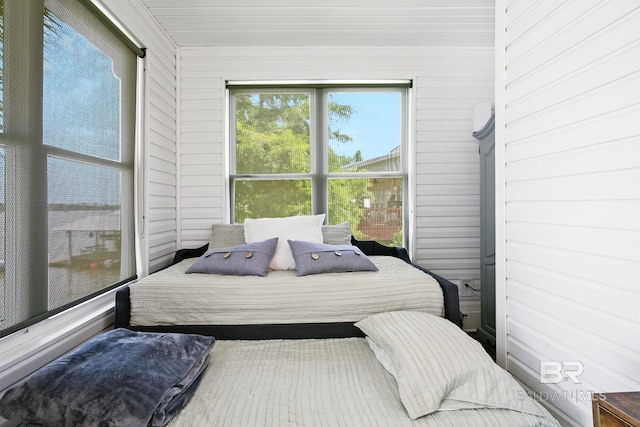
x,y
487,331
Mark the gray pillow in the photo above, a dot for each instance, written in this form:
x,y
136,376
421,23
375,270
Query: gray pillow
x,y
226,235
338,234
250,259
316,258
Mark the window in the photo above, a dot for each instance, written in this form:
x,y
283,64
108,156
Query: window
x,y
67,129
339,150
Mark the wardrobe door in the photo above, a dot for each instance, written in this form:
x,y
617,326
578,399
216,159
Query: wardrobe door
x,y
487,331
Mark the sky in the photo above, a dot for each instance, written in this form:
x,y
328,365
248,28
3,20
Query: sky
x,y
376,124
81,114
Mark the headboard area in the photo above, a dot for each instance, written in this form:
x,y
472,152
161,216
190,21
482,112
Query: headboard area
x,y
299,328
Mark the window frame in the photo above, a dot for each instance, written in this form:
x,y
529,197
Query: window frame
x,y
25,146
319,174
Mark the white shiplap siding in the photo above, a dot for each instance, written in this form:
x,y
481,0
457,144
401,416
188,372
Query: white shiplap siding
x,y
447,162
448,84
226,23
572,196
159,226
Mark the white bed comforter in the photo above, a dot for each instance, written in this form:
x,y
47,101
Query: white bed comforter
x,y
171,297
318,383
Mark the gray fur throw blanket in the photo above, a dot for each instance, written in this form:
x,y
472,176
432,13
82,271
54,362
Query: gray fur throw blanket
x,y
120,378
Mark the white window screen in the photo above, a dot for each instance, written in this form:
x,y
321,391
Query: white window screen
x,y
66,159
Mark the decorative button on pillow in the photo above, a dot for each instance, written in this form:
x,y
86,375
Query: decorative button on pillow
x,y
316,258
251,259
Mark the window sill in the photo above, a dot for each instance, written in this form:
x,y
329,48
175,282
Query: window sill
x,y
27,350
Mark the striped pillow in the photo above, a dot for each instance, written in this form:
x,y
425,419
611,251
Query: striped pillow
x,y
339,234
226,235
229,235
439,367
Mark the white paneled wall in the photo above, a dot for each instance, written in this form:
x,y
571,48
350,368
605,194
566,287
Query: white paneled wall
x,y
571,197
231,23
448,84
158,175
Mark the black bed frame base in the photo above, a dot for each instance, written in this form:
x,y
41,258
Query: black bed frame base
x,y
286,331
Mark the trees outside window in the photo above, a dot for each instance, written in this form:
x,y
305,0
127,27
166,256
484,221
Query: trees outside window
x,y
337,150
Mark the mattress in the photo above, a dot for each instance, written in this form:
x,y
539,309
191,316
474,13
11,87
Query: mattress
x,y
171,297
330,382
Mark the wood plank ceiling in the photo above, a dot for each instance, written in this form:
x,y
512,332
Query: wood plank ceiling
x,y
215,23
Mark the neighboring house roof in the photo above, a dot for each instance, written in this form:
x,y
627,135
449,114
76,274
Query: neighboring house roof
x,y
386,162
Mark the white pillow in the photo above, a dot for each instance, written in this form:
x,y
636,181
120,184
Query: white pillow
x,y
307,228
437,366
382,356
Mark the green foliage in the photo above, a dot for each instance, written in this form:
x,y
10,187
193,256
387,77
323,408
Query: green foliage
x,y
346,198
397,239
272,199
338,113
272,133
273,137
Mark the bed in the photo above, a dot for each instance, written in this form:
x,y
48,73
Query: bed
x,y
442,378
282,305
411,369
260,357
